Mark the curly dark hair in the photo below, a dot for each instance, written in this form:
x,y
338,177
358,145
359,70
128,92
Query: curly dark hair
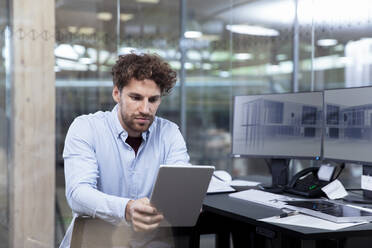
x,y
143,66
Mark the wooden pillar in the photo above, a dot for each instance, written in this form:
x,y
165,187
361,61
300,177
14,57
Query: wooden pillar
x,y
32,124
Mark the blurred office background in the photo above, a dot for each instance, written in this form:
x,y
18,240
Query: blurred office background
x,y
219,49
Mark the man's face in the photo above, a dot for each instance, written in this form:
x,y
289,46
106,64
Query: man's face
x,y
138,103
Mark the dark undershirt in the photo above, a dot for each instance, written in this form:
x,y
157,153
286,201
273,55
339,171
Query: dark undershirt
x,y
134,142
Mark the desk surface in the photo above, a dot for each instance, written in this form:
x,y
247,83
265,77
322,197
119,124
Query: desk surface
x,y
250,212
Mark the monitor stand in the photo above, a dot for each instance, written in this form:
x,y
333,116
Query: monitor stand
x,y
279,173
366,197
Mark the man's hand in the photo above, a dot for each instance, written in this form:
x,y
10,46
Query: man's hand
x,y
143,216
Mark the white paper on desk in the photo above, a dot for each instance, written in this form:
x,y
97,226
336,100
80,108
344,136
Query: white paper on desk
x,y
261,197
309,221
366,182
218,186
334,190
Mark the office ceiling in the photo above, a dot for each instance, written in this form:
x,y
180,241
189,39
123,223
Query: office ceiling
x,y
347,18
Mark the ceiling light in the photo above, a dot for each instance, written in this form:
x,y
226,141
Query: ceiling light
x,y
224,74
326,42
243,56
207,66
252,30
210,37
193,30
189,66
334,12
220,56
104,16
147,1
72,29
193,34
85,61
66,51
86,30
125,17
280,57
193,55
85,58
126,50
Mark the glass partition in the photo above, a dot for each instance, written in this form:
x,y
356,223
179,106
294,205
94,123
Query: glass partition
x,y
231,48
85,50
4,58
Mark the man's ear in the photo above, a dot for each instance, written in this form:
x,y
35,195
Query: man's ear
x,y
116,94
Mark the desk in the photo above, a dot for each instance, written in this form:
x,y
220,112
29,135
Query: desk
x,y
248,213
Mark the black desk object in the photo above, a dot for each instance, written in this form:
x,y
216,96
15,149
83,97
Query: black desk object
x,y
247,213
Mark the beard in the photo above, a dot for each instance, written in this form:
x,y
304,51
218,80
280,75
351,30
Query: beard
x,y
136,122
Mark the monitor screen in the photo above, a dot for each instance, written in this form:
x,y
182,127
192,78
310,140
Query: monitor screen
x,y
348,130
278,125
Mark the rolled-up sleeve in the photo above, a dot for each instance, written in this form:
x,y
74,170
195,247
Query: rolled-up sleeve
x,y
81,174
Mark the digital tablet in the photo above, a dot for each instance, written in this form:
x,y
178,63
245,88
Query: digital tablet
x,y
179,191
330,210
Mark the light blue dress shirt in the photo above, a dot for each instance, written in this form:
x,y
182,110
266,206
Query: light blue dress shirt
x,y
103,173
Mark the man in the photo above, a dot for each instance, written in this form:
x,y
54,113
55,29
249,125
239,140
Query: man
x,y
112,158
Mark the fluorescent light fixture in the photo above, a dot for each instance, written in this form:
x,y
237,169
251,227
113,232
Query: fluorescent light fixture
x,y
193,34
206,66
104,16
72,29
252,30
71,65
126,50
79,49
281,57
224,74
335,12
210,37
148,1
326,42
193,55
189,66
220,56
85,60
126,17
175,64
66,51
86,30
159,52
243,56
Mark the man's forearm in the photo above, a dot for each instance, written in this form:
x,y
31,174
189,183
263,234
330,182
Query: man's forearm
x,y
87,200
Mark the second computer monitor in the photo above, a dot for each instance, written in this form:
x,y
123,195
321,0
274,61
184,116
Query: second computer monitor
x,y
278,125
348,124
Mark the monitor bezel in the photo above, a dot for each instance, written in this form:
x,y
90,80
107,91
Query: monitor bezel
x,y
338,160
317,158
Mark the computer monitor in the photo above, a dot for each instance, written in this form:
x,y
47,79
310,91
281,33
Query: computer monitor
x,y
348,127
279,127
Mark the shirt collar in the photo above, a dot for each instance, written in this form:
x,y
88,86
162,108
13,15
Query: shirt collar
x,y
119,130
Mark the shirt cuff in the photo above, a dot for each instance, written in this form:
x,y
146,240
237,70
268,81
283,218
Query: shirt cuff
x,y
124,220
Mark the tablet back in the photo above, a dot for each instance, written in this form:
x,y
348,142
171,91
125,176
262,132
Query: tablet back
x,y
179,191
